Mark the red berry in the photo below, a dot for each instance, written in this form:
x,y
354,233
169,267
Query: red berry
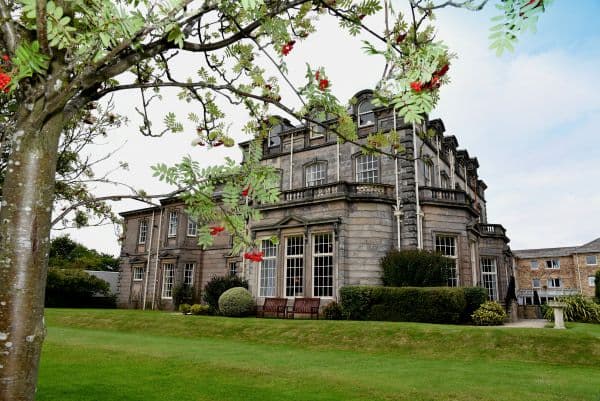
x,y
323,84
416,86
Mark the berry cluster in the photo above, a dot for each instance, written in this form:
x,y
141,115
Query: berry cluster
x,y
216,230
287,48
255,256
4,77
434,83
323,82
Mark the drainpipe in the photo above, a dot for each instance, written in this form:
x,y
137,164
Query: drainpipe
x,y
439,170
291,159
452,168
397,210
578,272
338,159
419,239
156,261
148,262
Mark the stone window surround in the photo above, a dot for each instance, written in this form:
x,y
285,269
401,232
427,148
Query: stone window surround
x,y
552,265
189,270
552,281
592,281
142,229
311,163
172,223
137,273
355,157
361,101
192,227
456,257
588,258
167,280
534,264
494,291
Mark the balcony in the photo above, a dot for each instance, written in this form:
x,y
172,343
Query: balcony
x,y
491,230
342,189
444,196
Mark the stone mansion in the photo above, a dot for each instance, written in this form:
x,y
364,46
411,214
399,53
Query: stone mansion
x,y
339,212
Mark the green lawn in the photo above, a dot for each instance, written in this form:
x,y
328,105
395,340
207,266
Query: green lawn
x,y
131,355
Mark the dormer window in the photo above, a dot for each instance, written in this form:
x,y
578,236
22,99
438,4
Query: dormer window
x,y
365,114
274,140
316,174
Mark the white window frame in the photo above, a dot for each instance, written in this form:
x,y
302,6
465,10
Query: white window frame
x,y
233,268
143,232
296,290
267,283
318,290
315,174
551,282
450,250
553,265
316,131
168,279
539,283
367,168
192,227
137,273
173,223
534,264
360,114
489,276
188,274
595,260
592,281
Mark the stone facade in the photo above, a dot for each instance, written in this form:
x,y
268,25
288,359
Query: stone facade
x,y
553,272
340,211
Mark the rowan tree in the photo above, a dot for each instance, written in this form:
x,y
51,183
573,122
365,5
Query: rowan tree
x,y
60,55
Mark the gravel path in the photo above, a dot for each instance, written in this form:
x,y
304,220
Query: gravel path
x,y
528,323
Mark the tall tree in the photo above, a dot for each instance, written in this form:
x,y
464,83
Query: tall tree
x,y
60,55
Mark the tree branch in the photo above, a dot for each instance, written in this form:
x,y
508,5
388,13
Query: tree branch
x,y
8,28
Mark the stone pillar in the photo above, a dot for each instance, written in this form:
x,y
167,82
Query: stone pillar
x,y
407,193
558,308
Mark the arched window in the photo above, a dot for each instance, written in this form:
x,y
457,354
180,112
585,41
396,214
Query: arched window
x,y
317,130
367,168
316,174
366,116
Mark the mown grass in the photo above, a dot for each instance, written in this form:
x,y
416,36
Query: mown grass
x,y
132,355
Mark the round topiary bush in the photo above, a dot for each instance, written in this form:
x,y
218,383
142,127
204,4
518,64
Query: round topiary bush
x,y
237,302
490,313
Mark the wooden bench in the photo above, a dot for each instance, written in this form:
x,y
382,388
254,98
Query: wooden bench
x,y
305,305
273,305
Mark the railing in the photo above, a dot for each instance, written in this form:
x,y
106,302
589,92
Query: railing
x,y
453,196
553,292
491,229
351,189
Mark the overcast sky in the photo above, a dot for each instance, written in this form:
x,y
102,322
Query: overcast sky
x,y
530,117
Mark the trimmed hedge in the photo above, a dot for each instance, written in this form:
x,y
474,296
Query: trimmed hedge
x,y
74,288
415,268
405,304
237,302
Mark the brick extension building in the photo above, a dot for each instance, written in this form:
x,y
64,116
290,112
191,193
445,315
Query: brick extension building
x,y
340,211
553,272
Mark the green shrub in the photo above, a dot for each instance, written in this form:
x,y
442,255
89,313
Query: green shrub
x,y
237,302
182,293
474,296
217,286
408,304
333,311
76,289
185,308
579,309
415,268
490,313
198,309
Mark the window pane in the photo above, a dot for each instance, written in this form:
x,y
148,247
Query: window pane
x,y
534,264
591,260
188,274
168,274
489,277
294,265
316,174
323,265
172,224
268,269
192,228
367,168
365,114
446,245
143,232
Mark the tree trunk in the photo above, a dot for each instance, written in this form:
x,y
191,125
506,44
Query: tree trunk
x,y
24,244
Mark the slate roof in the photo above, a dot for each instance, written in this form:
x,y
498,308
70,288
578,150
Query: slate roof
x,y
593,246
545,252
